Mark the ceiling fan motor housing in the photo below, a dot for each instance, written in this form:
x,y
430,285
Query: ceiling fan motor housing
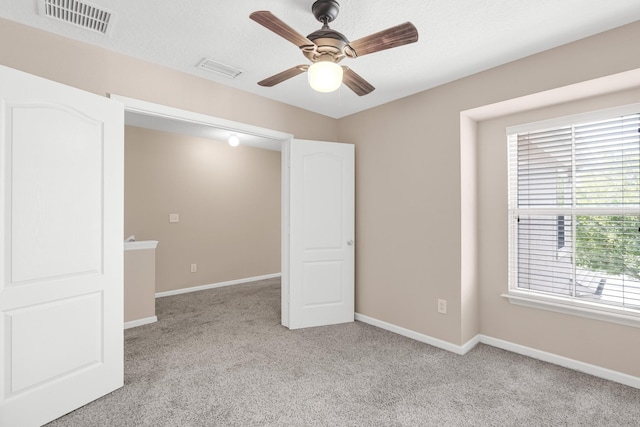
x,y
329,46
325,11
329,43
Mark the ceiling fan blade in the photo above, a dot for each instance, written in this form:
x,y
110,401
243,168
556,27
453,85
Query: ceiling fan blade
x,y
285,75
386,39
271,22
356,83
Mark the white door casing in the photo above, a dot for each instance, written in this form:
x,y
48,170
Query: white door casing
x,y
167,115
61,288
162,112
321,241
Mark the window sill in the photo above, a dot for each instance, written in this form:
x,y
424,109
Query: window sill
x,y
573,308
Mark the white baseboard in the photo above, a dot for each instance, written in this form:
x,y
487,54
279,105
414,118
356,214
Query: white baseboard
x,y
140,322
416,335
576,365
217,285
468,346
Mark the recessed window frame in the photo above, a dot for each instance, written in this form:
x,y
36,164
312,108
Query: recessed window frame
x,y
519,296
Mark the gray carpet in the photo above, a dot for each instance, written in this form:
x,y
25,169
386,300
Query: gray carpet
x,y
221,358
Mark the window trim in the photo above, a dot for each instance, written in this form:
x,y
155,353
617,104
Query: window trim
x,y
611,314
620,315
574,118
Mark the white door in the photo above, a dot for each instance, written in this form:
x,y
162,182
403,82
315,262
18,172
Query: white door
x,y
61,297
321,234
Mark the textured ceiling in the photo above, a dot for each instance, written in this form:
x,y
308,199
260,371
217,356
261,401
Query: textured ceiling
x,y
457,38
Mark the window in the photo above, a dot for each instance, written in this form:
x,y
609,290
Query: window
x,y
562,199
561,242
574,209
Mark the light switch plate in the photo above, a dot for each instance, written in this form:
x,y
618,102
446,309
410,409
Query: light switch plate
x,y
174,218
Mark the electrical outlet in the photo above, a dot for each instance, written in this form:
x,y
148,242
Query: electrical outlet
x,y
442,306
194,268
174,218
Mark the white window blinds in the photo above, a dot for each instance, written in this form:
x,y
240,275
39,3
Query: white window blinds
x,y
574,203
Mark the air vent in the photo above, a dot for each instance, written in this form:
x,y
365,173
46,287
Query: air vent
x,y
218,68
78,13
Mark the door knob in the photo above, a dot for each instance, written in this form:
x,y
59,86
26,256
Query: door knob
x,y
350,243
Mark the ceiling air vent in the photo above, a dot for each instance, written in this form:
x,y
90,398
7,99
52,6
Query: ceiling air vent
x,y
78,13
218,68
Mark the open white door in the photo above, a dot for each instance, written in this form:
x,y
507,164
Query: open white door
x,y
61,297
321,233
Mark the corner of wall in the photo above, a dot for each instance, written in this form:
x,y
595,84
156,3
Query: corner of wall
x,y
469,294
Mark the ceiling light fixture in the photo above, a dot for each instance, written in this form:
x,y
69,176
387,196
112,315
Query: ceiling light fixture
x,y
325,76
326,47
234,141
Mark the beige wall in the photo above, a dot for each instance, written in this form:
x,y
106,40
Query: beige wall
x,y
410,209
139,284
228,200
415,233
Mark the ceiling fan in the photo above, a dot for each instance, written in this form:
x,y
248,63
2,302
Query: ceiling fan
x,y
326,47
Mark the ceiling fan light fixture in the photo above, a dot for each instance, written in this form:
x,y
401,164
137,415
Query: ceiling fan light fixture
x,y
325,76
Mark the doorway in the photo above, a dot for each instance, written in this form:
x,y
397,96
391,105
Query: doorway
x,y
168,119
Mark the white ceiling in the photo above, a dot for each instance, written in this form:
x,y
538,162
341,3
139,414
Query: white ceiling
x,y
456,38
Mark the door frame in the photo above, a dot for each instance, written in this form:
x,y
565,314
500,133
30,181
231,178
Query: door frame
x,y
163,112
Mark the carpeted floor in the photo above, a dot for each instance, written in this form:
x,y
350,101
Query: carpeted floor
x,y
221,358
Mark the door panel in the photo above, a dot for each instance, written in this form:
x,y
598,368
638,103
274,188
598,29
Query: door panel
x,y
321,233
61,296
322,283
49,204
323,195
59,338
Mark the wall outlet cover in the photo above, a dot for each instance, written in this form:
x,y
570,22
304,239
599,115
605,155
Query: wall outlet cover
x,y
442,306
